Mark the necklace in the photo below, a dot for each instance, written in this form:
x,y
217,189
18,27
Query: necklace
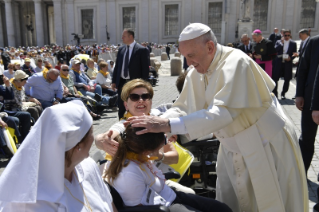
x,y
87,206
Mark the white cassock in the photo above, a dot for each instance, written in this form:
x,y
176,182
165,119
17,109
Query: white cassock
x,y
259,164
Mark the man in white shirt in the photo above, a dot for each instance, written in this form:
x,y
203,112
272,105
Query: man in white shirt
x,y
259,165
304,37
283,63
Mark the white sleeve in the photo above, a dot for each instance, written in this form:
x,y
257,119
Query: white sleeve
x,y
119,126
177,126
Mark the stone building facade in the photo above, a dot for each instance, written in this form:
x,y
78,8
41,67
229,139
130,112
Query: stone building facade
x,y
39,22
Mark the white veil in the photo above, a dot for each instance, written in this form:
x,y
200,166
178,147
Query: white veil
x,y
36,172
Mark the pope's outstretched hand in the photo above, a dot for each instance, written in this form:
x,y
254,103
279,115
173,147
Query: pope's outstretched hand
x,y
152,124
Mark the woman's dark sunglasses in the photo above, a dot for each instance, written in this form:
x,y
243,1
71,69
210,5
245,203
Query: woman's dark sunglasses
x,y
65,70
136,97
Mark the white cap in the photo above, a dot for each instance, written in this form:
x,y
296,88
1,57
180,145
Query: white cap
x,y
192,31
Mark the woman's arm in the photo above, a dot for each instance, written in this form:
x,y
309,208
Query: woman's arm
x,y
170,154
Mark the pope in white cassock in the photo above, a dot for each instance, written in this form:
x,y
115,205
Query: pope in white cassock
x,y
259,165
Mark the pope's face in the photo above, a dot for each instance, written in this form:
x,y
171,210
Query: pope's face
x,y
198,53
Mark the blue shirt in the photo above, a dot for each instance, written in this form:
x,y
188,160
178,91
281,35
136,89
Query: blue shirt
x,y
39,88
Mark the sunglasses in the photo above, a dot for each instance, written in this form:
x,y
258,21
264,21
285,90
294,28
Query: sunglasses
x,y
136,97
287,35
65,70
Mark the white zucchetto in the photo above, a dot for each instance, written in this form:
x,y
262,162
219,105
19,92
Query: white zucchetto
x,y
192,31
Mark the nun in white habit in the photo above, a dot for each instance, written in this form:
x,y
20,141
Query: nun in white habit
x,y
51,171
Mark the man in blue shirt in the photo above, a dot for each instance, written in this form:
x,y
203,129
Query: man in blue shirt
x,y
46,87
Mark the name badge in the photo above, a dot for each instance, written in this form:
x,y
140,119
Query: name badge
x,y
285,56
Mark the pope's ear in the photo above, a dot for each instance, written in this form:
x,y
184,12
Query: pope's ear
x,y
210,46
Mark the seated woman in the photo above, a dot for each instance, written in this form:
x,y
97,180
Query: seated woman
x,y
137,95
21,102
38,63
134,175
52,171
103,78
91,70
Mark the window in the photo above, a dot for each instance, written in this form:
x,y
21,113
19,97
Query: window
x,y
260,14
215,15
87,23
171,20
308,13
129,18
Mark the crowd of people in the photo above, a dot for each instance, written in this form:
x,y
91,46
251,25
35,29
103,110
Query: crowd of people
x,y
227,93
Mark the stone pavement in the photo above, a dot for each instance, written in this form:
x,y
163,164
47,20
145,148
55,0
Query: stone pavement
x,y
166,91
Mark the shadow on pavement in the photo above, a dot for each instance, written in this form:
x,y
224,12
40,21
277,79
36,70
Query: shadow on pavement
x,y
287,102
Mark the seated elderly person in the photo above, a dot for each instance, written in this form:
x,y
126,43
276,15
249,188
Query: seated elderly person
x,y
21,102
46,87
10,72
104,79
91,70
38,63
27,68
52,170
21,118
82,83
47,65
69,92
135,176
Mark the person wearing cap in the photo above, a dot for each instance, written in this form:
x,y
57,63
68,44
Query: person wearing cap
x,y
52,170
27,68
46,87
263,51
259,165
21,102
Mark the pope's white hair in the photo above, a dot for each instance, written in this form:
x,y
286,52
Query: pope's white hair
x,y
208,36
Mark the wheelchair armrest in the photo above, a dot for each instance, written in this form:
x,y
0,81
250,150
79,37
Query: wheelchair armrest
x,y
147,208
172,175
203,143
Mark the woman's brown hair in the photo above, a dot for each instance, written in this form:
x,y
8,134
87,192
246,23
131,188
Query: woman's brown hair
x,y
130,142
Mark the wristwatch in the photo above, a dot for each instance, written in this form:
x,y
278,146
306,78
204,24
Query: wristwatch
x,y
161,160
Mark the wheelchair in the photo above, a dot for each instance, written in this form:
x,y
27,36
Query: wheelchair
x,y
202,172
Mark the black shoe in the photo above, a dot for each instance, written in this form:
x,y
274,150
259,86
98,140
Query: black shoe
x,y
283,96
113,101
316,207
98,97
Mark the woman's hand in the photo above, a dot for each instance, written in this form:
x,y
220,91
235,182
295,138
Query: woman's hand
x,y
105,142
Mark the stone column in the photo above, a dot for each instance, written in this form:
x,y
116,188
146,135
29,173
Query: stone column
x,y
111,22
10,25
102,20
153,19
51,26
144,27
34,36
17,14
39,22
70,19
58,22
1,30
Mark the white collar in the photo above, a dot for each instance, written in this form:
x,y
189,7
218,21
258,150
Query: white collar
x,y
132,44
217,55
